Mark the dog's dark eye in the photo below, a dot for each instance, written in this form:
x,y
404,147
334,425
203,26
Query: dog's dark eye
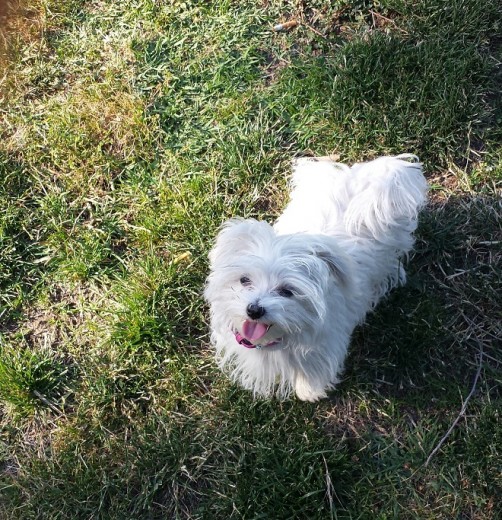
x,y
285,292
245,281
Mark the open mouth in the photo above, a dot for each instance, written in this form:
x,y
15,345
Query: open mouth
x,y
252,332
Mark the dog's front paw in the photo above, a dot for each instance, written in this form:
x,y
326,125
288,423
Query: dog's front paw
x,y
305,391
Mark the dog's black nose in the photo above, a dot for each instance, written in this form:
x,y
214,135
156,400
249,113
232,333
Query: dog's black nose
x,y
255,311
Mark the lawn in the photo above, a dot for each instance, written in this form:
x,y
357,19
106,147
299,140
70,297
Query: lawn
x,y
129,131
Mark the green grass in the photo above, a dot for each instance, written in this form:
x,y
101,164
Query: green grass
x,y
129,131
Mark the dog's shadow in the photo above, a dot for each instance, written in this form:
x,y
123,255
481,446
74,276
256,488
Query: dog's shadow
x,y
423,341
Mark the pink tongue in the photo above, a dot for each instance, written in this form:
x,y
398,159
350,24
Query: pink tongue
x,y
253,330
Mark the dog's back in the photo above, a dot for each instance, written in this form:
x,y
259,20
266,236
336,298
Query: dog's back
x,y
371,209
386,196
375,200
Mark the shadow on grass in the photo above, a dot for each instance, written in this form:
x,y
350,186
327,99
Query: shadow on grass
x,y
412,365
422,342
19,249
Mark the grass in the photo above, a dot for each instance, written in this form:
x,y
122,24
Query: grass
x,y
129,132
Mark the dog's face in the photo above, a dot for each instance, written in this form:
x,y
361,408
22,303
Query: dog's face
x,y
269,290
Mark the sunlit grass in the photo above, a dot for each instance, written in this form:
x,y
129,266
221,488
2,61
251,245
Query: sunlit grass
x,y
129,132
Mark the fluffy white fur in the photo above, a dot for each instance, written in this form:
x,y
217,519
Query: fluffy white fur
x,y
327,261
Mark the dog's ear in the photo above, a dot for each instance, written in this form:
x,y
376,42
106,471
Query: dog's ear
x,y
337,263
240,236
326,252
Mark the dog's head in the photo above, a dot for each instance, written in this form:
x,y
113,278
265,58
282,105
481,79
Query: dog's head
x,y
271,290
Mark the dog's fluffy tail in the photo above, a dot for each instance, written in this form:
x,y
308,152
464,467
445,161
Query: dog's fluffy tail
x,y
387,194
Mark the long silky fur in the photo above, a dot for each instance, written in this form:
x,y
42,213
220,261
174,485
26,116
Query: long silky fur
x,y
339,243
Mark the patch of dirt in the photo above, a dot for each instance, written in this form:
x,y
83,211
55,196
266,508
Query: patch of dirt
x,y
66,318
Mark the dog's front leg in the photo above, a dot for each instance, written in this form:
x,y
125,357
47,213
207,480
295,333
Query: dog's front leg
x,y
306,390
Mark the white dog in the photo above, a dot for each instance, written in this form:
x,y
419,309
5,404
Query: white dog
x,y
285,299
